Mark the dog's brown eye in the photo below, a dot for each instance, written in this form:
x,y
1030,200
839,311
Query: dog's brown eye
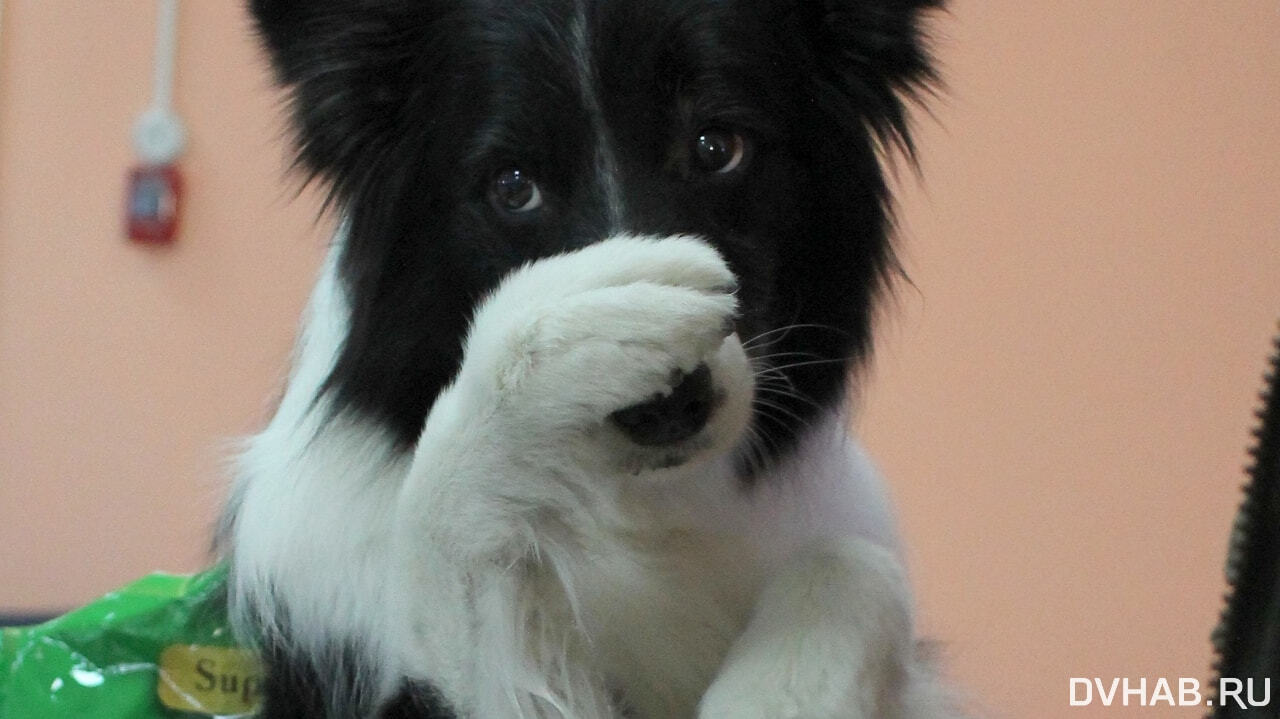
x,y
719,151
514,191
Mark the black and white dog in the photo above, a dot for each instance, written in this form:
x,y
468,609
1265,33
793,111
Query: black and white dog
x,y
566,432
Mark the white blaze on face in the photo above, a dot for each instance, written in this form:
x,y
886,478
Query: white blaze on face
x,y
606,160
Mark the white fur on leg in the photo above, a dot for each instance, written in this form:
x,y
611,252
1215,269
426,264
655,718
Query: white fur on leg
x,y
516,486
830,638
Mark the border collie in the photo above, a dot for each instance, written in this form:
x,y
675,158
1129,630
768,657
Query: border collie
x,y
566,433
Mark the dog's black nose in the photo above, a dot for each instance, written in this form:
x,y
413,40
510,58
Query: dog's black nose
x,y
670,418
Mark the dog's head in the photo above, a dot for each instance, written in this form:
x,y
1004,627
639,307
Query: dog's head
x,y
465,138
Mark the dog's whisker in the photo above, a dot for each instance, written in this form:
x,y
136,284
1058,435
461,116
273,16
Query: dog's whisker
x,y
788,427
770,376
762,358
772,373
757,401
755,450
767,444
786,330
790,394
782,331
780,381
793,365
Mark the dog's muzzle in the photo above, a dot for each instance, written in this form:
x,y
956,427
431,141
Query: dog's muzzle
x,y
667,419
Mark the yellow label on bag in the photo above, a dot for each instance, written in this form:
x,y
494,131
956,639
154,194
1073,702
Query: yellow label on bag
x,y
218,681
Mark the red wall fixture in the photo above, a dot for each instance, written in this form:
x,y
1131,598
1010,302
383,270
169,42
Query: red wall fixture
x,y
154,198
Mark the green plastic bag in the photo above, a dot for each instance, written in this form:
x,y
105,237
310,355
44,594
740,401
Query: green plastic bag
x,y
158,648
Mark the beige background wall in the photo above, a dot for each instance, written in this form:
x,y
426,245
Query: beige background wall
x,y
1061,400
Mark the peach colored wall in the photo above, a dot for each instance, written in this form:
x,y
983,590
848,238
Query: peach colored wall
x,y
124,370
1061,400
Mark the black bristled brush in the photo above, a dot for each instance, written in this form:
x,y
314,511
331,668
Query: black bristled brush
x,y
1247,638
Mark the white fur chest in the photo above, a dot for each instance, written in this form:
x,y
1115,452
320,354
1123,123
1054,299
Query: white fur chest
x,y
661,604
661,611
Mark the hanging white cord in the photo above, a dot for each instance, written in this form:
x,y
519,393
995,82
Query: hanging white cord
x,y
158,134
166,52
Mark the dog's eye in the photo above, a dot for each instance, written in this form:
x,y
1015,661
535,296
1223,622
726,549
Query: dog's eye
x,y
513,190
719,151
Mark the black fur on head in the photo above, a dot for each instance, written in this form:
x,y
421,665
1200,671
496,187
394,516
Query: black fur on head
x,y
409,110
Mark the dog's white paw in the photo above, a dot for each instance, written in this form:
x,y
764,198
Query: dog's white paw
x,y
830,638
565,343
531,428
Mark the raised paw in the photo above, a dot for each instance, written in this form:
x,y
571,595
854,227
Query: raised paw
x,y
623,353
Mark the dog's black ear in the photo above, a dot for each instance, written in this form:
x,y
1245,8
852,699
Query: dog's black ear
x,y
349,68
876,53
